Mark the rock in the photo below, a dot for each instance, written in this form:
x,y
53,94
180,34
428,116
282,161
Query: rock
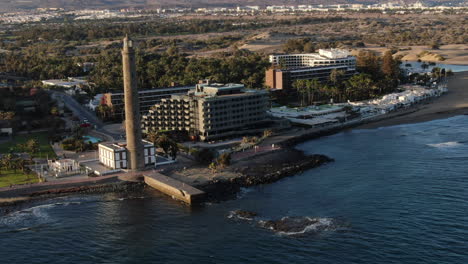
x,y
225,189
299,225
242,214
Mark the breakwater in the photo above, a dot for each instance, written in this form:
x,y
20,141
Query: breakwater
x,y
262,170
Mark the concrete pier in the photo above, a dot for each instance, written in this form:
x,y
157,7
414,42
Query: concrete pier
x,y
174,188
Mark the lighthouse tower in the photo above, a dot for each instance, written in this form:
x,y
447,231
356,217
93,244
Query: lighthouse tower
x,y
132,114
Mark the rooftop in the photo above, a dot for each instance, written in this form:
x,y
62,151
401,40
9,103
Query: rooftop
x,y
121,145
323,54
165,89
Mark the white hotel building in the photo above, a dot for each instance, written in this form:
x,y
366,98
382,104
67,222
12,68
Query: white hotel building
x,y
325,57
290,67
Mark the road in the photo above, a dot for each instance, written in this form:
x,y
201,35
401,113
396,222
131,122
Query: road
x,y
83,113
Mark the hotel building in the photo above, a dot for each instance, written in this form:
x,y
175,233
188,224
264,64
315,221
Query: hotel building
x,y
290,67
210,111
147,98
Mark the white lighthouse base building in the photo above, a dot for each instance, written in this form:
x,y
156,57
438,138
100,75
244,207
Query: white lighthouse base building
x,y
114,155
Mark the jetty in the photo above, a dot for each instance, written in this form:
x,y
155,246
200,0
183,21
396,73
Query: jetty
x,y
174,188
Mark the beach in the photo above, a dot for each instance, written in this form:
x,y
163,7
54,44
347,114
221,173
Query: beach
x,y
454,102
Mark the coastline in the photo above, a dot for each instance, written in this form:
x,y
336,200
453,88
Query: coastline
x,y
266,167
453,103
261,169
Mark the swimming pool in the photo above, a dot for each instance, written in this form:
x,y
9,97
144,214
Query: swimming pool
x,y
91,139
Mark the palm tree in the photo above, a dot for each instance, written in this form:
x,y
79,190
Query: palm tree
x,y
21,164
173,149
32,146
7,161
336,76
152,136
165,143
301,88
2,165
359,87
313,86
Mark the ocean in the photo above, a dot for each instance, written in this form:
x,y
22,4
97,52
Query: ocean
x,y
393,195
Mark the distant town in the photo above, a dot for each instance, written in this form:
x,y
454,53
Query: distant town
x,y
45,14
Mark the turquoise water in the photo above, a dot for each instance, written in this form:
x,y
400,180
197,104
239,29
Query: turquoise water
x,y
397,195
92,139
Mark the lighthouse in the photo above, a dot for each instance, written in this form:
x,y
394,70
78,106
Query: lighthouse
x,y
136,159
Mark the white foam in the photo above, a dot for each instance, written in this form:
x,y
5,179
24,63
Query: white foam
x,y
26,218
450,144
243,192
322,224
234,214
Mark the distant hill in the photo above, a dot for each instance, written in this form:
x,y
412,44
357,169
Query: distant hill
x,y
111,4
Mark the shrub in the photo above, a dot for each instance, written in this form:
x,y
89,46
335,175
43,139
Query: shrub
x,y
224,160
204,156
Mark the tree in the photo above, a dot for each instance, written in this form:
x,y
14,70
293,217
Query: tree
x,y
389,65
80,146
309,47
8,161
213,167
224,160
165,143
313,87
54,111
437,73
104,112
21,147
173,149
21,164
78,132
267,133
359,87
8,115
204,156
32,146
152,136
2,164
336,77
435,45
367,62
301,89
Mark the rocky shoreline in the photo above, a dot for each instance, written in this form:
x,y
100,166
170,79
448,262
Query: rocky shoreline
x,y
263,169
121,187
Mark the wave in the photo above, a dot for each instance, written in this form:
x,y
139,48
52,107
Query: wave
x,y
450,144
242,215
29,218
127,198
290,226
243,192
296,226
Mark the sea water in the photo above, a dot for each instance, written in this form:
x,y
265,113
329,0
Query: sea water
x,y
393,195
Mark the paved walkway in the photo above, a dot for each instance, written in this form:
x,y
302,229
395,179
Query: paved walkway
x,y
256,150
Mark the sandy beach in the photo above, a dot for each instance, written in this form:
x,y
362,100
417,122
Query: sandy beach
x,y
455,102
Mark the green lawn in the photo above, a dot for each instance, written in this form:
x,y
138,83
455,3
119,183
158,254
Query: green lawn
x,y
9,177
45,149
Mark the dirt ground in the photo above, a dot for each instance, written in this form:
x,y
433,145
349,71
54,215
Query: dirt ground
x,y
453,54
